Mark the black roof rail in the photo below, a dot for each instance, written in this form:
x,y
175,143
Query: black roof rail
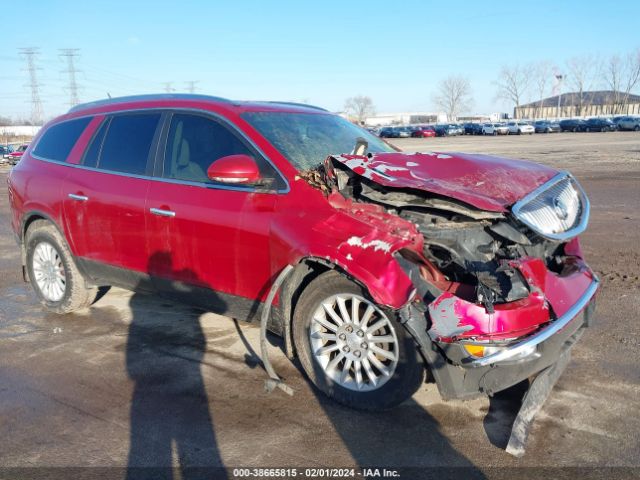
x,y
141,98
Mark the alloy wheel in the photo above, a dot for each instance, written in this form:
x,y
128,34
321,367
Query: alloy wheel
x,y
49,272
354,342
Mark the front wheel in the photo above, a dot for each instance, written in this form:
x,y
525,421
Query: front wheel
x,y
54,276
353,350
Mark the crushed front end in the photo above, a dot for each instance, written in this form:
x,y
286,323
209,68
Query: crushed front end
x,y
500,293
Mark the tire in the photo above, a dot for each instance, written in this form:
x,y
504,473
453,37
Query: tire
x,y
406,371
637,129
46,247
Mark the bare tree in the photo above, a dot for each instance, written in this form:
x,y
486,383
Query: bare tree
x,y
621,75
542,76
582,73
360,107
513,83
453,96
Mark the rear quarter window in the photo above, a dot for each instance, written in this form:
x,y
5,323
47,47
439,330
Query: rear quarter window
x,y
58,141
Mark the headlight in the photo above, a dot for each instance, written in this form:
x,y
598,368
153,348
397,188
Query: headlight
x,y
557,210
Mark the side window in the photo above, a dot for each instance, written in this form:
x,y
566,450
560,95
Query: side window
x,y
92,154
56,143
127,143
193,143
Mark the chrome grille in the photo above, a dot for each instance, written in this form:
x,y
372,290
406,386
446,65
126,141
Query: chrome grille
x,y
557,210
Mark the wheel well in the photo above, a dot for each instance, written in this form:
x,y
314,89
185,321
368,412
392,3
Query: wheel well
x,y
32,218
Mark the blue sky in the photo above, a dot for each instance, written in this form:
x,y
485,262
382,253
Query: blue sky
x,y
319,52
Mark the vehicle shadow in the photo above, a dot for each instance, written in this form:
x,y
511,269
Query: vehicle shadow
x,y
406,438
170,417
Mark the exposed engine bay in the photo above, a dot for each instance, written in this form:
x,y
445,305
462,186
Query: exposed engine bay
x,y
471,247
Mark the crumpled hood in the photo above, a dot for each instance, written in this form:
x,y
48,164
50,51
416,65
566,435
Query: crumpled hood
x,y
483,181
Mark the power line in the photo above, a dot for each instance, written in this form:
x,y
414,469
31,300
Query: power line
x,y
71,54
191,85
168,88
30,54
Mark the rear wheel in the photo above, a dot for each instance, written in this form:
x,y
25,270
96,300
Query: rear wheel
x,y
353,350
54,276
637,129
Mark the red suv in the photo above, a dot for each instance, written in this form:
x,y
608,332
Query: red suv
x,y
468,265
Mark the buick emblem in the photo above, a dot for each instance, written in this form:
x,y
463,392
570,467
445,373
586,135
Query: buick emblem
x,y
561,209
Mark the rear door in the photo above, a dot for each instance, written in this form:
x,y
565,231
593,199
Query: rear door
x,y
105,196
204,233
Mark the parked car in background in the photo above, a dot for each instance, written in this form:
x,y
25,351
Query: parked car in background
x,y
494,129
473,128
629,123
520,128
424,132
446,130
571,125
387,132
176,194
9,149
403,132
14,157
459,129
546,126
598,125
4,150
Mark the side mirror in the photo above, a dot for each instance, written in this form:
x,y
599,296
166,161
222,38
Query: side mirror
x,y
238,169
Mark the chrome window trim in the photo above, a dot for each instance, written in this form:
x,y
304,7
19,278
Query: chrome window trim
x,y
562,236
215,115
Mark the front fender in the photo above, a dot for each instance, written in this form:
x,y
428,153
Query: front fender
x,y
361,247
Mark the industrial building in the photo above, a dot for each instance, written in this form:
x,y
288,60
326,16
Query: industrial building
x,y
587,104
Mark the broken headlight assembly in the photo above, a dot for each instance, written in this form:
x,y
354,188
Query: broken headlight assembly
x,y
557,210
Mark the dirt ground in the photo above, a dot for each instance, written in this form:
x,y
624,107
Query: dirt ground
x,y
130,383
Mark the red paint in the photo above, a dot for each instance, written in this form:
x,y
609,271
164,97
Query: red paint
x,y
552,296
488,183
240,169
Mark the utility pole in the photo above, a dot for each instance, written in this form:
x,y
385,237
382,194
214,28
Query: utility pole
x,y
30,54
168,88
559,78
70,54
191,86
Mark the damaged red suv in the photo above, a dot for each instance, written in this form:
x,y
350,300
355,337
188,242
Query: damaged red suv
x,y
465,266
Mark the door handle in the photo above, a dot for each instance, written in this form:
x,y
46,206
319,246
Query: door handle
x,y
162,213
80,198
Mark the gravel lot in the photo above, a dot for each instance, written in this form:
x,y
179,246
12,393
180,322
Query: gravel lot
x,y
71,392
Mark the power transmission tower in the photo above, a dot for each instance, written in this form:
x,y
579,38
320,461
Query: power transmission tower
x,y
70,54
191,86
168,88
30,54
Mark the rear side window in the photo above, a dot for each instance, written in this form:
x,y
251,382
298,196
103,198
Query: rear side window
x,y
56,143
127,143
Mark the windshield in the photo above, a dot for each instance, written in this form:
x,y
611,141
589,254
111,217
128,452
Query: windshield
x,y
306,139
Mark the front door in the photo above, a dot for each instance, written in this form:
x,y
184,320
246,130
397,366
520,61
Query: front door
x,y
205,233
